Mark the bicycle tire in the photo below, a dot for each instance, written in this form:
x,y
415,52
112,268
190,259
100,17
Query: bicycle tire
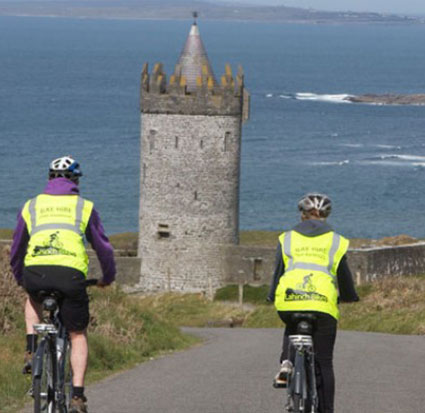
x,y
66,379
296,401
43,390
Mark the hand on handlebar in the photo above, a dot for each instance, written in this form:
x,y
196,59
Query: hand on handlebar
x,y
101,284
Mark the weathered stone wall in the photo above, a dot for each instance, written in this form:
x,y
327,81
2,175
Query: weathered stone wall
x,y
255,265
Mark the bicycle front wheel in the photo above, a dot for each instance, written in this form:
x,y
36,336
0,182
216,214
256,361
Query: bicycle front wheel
x,y
43,382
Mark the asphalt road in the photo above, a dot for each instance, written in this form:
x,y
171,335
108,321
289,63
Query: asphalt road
x,y
232,372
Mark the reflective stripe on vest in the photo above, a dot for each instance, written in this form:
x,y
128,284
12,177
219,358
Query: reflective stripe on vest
x,y
76,227
287,245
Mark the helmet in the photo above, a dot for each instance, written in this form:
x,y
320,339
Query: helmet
x,y
65,167
319,202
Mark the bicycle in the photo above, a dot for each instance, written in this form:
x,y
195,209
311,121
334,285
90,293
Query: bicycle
x,y
302,394
51,369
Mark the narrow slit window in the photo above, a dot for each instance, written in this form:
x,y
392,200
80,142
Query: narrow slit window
x,y
176,142
152,134
226,141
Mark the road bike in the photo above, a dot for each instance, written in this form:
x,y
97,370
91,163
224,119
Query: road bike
x,y
302,394
51,369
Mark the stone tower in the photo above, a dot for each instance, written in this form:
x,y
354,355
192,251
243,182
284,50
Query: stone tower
x,y
190,168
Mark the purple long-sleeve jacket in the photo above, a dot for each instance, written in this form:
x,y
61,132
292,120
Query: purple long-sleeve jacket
x,y
95,234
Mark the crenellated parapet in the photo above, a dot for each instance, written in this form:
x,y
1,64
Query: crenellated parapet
x,y
229,97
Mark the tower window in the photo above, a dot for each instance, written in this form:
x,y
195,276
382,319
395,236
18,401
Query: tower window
x,y
196,195
152,134
201,143
226,141
176,142
163,231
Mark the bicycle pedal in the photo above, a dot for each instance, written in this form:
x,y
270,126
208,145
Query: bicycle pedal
x,y
277,385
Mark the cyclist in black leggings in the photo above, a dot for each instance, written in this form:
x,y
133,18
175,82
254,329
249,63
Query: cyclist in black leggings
x,y
311,271
49,253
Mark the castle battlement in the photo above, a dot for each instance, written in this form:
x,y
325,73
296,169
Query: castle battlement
x,y
157,95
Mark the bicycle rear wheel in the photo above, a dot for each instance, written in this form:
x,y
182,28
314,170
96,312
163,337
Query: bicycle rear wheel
x,y
43,381
66,379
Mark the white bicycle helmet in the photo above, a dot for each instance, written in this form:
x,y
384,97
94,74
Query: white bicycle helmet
x,y
65,167
319,202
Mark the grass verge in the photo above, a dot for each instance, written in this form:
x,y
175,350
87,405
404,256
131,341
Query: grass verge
x,y
123,332
394,305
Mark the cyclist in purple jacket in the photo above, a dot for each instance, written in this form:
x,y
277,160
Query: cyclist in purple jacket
x,y
48,253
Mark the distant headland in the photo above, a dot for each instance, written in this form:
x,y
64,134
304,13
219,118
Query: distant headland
x,y
388,99
209,10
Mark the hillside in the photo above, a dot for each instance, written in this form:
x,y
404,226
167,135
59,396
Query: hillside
x,y
182,9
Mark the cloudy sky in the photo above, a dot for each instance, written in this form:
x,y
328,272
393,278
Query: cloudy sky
x,y
383,6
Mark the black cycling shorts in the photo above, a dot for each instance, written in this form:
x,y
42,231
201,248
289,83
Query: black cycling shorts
x,y
74,306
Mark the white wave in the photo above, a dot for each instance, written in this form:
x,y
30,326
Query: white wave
x,y
383,163
388,147
286,96
269,95
419,164
352,145
340,98
333,163
403,157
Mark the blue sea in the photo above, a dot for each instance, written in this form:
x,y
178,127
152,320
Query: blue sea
x,y
71,86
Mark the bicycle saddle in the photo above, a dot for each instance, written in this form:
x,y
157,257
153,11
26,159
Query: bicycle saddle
x,y
50,299
309,317
305,322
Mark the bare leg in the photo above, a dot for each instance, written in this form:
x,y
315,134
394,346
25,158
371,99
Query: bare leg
x,y
79,356
32,315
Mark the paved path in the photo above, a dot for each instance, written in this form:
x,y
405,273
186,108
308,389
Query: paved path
x,y
233,370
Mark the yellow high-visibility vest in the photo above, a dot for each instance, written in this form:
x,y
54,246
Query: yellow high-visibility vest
x,y
310,279
56,225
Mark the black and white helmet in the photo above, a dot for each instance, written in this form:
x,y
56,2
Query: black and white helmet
x,y
65,167
319,202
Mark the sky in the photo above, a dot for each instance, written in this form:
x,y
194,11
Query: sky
x,y
381,6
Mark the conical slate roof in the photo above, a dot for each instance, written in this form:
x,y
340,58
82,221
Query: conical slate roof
x,y
193,58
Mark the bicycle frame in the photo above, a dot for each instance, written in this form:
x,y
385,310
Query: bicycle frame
x,y
302,391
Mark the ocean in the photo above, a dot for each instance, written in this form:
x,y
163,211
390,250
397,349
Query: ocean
x,y
71,86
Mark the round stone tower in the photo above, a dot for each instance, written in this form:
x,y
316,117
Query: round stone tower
x,y
190,168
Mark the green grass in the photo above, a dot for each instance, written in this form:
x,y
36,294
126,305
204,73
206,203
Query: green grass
x,y
6,233
193,310
125,241
259,238
394,305
251,294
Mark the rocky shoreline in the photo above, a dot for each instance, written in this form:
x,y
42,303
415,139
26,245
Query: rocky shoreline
x,y
388,99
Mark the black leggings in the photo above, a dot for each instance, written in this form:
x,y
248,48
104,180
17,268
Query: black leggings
x,y
324,335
